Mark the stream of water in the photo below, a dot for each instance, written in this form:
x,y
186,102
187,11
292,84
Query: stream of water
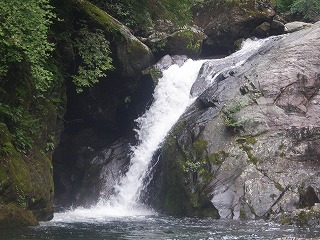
x,y
156,228
171,98
122,216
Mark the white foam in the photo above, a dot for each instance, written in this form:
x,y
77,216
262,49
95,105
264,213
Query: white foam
x,y
171,98
100,214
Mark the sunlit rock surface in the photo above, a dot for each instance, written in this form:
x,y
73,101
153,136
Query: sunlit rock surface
x,y
296,26
252,139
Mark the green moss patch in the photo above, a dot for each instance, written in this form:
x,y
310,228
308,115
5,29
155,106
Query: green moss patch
x,y
98,15
187,174
13,215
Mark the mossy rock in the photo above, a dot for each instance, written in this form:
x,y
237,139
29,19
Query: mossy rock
x,y
301,217
13,215
98,15
185,42
132,55
186,171
25,181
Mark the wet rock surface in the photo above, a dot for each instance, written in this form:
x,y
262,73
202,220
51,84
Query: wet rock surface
x,y
296,238
252,139
94,176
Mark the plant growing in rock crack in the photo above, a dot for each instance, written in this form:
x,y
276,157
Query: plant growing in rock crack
x,y
191,43
218,157
21,197
192,167
50,146
198,156
155,74
158,45
94,53
307,8
229,112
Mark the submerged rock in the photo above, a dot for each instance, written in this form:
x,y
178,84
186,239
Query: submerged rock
x,y
251,149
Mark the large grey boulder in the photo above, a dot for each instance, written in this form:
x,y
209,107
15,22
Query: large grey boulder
x,y
296,26
252,139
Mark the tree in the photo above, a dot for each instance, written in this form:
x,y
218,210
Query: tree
x,y
24,27
93,49
307,8
140,14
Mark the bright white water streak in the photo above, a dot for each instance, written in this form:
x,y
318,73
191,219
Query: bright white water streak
x,y
171,98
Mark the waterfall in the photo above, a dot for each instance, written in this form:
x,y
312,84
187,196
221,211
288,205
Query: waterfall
x,y
171,98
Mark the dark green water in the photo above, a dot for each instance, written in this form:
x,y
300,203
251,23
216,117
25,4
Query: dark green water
x,y
157,227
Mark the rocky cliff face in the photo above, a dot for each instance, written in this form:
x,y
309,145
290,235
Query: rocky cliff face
x,y
102,114
29,131
249,147
224,22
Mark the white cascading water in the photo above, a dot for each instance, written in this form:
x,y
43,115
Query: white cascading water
x,y
171,98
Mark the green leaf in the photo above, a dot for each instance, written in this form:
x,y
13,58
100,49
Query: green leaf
x,y
93,49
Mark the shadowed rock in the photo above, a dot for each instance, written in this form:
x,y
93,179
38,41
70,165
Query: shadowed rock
x,y
224,22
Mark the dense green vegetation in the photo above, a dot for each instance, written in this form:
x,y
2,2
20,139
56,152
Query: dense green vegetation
x,y
307,8
24,28
41,47
25,72
140,14
94,51
31,77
